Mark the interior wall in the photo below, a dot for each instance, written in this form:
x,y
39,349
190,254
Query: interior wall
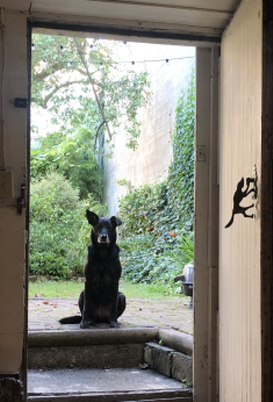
x,y
240,150
14,80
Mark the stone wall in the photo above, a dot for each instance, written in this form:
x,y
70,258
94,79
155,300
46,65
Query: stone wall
x,y
149,163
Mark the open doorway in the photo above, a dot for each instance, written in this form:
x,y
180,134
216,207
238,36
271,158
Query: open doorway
x,y
54,153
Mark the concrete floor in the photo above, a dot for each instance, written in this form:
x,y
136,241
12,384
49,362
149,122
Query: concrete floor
x,y
97,381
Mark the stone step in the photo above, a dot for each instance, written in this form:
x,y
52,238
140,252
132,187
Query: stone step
x,y
166,351
169,362
96,348
107,385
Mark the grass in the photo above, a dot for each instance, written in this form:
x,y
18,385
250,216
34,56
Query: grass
x,y
73,288
55,288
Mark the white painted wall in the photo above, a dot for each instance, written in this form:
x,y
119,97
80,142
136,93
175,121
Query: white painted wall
x,y
149,163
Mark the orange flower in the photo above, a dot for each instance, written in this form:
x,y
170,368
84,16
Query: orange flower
x,y
171,233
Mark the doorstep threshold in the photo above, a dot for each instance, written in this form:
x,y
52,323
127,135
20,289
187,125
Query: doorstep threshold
x,y
94,385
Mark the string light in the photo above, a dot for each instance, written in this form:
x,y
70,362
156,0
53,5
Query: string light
x,y
155,60
137,61
129,61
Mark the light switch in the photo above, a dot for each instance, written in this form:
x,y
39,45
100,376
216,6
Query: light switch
x,y
6,184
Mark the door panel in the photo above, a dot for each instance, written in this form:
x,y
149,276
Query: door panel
x,y
240,151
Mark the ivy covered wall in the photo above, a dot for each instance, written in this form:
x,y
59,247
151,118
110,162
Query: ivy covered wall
x,y
150,162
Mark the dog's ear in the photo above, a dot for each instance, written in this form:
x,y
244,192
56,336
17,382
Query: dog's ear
x,y
115,221
92,218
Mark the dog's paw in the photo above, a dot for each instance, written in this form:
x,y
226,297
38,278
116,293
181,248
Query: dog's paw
x,y
114,324
84,324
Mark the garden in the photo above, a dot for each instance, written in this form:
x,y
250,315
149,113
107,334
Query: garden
x,y
156,238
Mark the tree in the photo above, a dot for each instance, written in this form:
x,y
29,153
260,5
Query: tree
x,y
82,85
73,157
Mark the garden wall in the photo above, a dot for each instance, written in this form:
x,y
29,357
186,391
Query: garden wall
x,y
149,163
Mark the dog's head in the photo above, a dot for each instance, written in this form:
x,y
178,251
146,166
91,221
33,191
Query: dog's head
x,y
104,229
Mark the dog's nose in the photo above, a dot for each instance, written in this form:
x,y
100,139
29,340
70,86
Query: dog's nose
x,y
103,238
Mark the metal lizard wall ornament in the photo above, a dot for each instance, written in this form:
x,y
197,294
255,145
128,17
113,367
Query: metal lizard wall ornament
x,y
239,195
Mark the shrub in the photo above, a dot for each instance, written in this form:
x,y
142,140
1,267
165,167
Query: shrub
x,y
146,259
59,231
71,156
154,246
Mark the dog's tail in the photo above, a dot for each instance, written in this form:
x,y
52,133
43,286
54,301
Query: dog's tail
x,y
74,319
230,222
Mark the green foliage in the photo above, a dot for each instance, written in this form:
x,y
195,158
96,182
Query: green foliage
x,y
148,259
181,171
60,192
80,82
71,156
154,245
59,231
144,209
157,238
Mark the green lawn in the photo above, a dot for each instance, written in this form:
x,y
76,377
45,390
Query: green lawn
x,y
73,289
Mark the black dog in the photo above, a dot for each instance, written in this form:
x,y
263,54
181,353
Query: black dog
x,y
101,301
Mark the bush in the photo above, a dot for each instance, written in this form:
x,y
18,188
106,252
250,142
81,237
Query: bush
x,y
71,156
59,231
154,244
146,210
145,259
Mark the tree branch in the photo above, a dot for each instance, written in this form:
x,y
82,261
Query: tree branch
x,y
97,133
93,85
56,89
46,73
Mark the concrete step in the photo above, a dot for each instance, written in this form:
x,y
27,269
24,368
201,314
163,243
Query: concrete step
x,y
166,351
96,348
108,385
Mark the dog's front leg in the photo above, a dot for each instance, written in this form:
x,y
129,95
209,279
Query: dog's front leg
x,y
113,318
86,315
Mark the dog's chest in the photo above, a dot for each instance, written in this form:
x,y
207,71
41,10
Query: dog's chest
x,y
102,275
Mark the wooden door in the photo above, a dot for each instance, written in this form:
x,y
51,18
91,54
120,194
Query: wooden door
x,y
239,247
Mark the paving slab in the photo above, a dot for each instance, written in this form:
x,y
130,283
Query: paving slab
x,y
174,313
78,381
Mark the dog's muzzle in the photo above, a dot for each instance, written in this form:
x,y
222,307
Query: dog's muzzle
x,y
103,239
